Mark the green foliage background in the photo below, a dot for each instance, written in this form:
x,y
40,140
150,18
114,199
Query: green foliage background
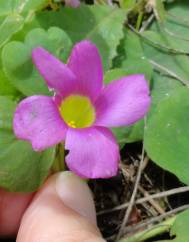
x,y
159,49
149,37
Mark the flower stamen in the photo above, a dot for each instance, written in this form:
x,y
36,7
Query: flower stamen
x,y
77,111
72,124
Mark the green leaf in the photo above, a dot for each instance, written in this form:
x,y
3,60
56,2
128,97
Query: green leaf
x,y
138,66
159,10
11,25
132,59
167,40
25,6
174,65
129,134
179,228
135,66
6,88
103,25
17,62
166,45
127,4
162,87
19,6
166,135
178,9
13,14
132,45
7,107
22,169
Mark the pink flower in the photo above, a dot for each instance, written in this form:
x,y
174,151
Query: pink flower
x,y
81,110
72,3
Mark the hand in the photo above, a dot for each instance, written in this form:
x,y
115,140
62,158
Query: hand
x,y
62,211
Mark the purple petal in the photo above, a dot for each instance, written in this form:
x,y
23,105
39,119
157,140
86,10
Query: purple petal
x,y
93,152
123,102
37,120
57,75
85,62
72,3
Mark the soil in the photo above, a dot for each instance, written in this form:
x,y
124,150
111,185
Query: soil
x,y
112,192
115,191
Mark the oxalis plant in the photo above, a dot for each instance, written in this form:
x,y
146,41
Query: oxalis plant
x,y
81,109
81,80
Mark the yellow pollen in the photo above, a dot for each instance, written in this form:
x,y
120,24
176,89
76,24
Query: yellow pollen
x,y
77,111
72,124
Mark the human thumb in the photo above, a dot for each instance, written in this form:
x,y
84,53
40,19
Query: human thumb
x,y
62,211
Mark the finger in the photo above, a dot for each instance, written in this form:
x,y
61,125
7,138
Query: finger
x,y
63,211
12,207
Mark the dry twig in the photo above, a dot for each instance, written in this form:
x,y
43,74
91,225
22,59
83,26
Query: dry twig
x,y
127,174
145,199
131,203
148,222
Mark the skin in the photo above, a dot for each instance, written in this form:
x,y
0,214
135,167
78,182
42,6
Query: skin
x,y
56,212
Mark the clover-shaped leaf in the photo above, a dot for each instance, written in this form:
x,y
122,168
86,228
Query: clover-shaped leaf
x,y
166,135
17,61
7,107
6,88
103,25
21,169
13,15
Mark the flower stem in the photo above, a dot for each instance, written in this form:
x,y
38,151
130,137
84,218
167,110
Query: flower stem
x,y
139,21
59,164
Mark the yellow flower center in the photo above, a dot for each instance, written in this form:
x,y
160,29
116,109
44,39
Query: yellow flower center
x,y
77,111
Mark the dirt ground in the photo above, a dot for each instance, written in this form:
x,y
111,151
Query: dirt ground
x,y
111,193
